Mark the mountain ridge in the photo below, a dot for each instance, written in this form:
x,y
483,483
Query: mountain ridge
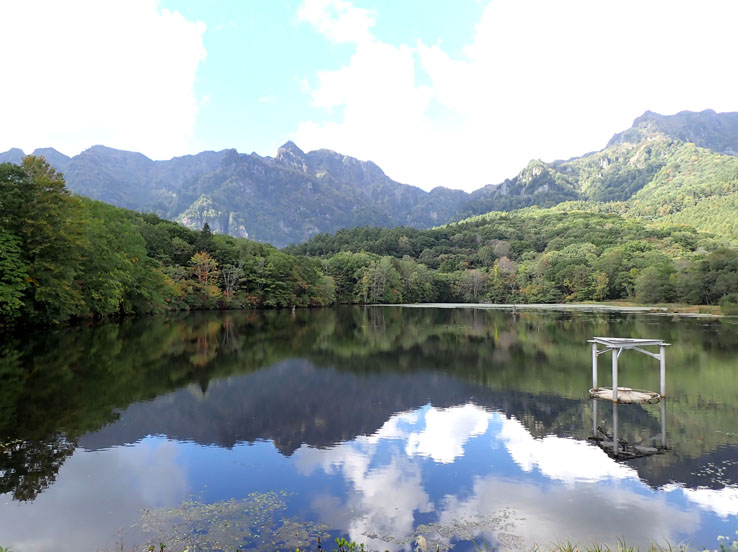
x,y
282,199
294,195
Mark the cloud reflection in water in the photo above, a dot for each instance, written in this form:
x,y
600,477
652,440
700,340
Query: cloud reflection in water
x,y
559,488
148,474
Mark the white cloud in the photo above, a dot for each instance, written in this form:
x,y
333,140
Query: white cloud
x,y
339,20
539,79
447,431
88,72
133,478
382,499
724,502
584,495
567,460
383,110
585,514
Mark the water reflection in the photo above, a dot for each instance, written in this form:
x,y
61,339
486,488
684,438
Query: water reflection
x,y
382,421
640,442
551,483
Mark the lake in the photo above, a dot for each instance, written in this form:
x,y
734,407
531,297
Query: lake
x,y
265,429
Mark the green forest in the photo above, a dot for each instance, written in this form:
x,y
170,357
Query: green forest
x,y
530,256
65,257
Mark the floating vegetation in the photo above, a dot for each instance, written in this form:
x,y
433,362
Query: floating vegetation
x,y
719,473
431,537
256,522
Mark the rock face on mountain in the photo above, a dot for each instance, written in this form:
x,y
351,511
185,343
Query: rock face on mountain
x,y
132,180
294,195
283,199
707,129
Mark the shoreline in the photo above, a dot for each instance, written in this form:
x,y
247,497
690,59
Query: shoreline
x,y
563,307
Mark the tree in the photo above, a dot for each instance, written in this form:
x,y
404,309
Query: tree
x,y
346,269
600,286
472,284
204,268
13,276
653,286
381,283
205,240
46,221
232,275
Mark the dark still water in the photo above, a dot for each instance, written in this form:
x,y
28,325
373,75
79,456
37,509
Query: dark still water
x,y
385,425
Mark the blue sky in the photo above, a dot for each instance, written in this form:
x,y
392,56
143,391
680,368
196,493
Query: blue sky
x,y
260,59
459,94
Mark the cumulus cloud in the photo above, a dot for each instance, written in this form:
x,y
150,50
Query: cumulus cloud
x,y
567,460
133,478
382,499
583,494
79,73
589,513
447,431
339,20
538,79
724,502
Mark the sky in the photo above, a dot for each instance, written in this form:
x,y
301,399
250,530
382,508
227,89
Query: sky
x,y
459,94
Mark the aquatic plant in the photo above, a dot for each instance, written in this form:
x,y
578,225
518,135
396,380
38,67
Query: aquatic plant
x,y
725,545
439,537
348,546
256,522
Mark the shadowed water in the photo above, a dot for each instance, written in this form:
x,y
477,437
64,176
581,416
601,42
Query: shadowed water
x,y
265,429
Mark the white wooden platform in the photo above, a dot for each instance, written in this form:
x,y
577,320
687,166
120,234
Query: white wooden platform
x,y
625,395
616,346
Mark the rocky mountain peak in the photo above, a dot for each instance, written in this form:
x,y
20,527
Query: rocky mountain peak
x,y
54,157
289,155
289,150
708,129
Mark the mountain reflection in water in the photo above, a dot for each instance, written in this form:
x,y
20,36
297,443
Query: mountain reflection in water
x,y
380,422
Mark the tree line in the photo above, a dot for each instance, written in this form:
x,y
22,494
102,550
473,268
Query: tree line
x,y
64,257
531,256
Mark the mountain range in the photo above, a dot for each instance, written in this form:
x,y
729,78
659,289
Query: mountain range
x,y
681,168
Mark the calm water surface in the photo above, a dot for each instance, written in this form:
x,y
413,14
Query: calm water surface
x,y
265,429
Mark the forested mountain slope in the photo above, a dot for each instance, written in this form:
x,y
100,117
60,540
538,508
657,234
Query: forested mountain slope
x,y
531,256
679,168
694,186
648,171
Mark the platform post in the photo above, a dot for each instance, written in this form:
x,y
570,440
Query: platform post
x,y
663,423
615,447
614,375
594,417
662,366
594,365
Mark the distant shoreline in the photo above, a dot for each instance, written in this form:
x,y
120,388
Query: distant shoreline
x,y
686,311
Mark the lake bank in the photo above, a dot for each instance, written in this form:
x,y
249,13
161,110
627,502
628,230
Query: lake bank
x,y
679,310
